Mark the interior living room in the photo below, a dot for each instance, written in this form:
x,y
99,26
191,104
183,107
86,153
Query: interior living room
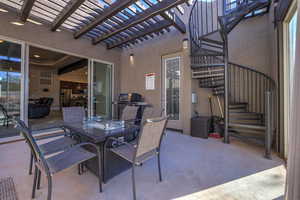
x,y
149,99
56,80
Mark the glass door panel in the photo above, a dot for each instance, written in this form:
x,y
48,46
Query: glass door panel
x,y
290,54
102,90
171,91
10,80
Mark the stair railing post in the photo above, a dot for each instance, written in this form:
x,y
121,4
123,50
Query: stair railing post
x,y
268,133
226,92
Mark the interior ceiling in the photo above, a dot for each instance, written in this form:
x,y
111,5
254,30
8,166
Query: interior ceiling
x,y
50,58
115,23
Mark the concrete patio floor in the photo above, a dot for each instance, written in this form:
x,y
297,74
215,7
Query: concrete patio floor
x,y
192,169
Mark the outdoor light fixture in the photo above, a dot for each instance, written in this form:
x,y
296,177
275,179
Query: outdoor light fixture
x,y
1,41
185,43
17,23
36,56
131,58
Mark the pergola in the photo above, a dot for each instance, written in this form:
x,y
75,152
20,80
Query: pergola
x,y
115,23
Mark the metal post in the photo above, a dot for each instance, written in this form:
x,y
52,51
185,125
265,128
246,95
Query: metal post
x,y
226,97
268,134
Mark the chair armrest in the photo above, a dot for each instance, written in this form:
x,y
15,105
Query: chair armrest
x,y
120,141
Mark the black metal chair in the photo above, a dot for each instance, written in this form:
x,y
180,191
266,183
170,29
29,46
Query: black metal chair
x,y
147,145
70,115
58,162
54,146
129,113
6,118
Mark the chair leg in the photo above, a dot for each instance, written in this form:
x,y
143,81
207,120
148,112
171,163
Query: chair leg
x,y
79,169
133,182
34,182
159,168
39,179
49,178
100,173
30,164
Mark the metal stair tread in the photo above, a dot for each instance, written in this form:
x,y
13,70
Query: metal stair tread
x,y
248,126
208,65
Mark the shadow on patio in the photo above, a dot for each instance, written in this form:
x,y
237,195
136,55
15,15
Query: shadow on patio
x,y
192,169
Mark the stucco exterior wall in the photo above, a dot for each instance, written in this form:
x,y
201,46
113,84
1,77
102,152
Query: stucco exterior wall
x,y
148,59
250,44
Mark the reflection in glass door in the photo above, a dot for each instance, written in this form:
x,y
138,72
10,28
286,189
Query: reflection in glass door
x,y
10,81
101,89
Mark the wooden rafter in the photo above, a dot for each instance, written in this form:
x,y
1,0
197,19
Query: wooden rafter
x,y
26,8
177,22
71,7
107,13
156,9
74,66
152,29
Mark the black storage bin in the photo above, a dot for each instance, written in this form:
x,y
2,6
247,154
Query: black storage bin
x,y
200,126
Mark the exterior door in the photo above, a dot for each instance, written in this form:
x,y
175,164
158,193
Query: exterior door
x,y
289,57
12,79
171,90
101,76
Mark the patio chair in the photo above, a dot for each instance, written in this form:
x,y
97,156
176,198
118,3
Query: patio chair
x,y
70,115
151,112
129,113
56,163
73,114
6,118
147,145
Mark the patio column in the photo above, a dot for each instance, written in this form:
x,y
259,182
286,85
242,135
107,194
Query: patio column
x,y
293,168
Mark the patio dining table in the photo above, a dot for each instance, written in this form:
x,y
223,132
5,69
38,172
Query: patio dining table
x,y
93,131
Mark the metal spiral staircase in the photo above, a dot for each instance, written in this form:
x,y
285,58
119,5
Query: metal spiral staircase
x,y
248,95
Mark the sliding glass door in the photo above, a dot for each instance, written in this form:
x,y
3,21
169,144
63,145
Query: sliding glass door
x,y
101,89
289,56
11,87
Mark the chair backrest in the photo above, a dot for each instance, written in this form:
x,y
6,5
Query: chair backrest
x,y
129,113
147,114
158,112
37,154
151,135
73,114
3,110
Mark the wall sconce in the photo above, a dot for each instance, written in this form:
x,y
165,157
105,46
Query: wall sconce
x,y
131,58
185,43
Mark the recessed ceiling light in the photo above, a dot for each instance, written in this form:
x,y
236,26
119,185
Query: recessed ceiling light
x,y
34,22
36,56
2,10
17,23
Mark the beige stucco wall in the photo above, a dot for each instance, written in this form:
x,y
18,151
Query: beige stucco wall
x,y
250,44
148,59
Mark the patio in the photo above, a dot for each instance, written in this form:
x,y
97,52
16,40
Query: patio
x,y
192,169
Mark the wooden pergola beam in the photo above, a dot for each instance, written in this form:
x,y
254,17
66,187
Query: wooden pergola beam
x,y
152,29
26,8
177,22
74,66
71,7
156,9
108,12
